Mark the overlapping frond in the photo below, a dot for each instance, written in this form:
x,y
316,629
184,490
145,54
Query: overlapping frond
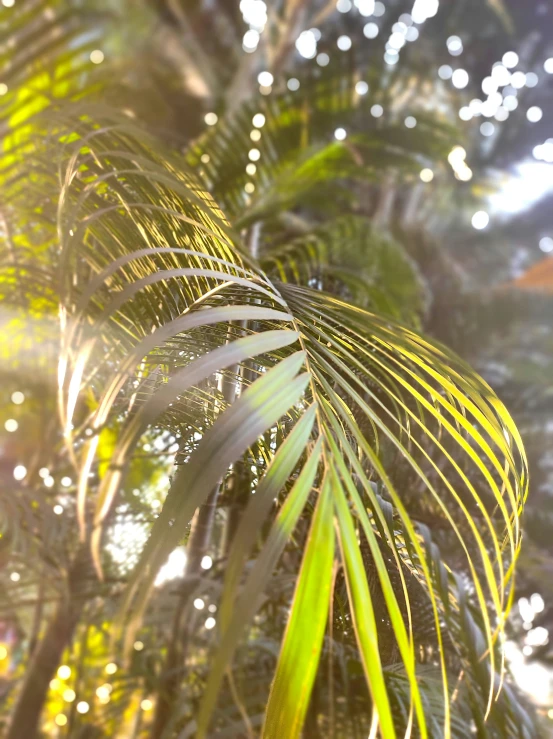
x,y
45,52
157,300
348,257
361,430
295,153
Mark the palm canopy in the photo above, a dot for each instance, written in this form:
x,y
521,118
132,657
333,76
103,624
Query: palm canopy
x,y
376,459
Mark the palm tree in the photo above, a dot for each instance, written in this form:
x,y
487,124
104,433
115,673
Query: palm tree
x,y
349,492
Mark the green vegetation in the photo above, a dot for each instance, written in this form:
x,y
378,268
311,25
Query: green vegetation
x,y
231,359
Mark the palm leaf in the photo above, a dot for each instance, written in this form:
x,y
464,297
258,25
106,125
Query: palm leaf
x,y
299,656
298,153
372,389
348,257
162,307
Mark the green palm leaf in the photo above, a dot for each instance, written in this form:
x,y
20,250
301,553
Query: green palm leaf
x,y
160,290
360,428
299,656
298,156
348,257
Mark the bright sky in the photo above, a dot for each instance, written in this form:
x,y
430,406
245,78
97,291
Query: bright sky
x,y
530,183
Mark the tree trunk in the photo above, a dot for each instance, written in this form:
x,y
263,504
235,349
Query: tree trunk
x,y
48,654
198,543
238,492
37,618
41,670
385,205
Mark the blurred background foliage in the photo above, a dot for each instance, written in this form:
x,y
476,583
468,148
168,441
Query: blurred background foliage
x,y
384,152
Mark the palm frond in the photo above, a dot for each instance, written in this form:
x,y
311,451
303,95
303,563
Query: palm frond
x,y
295,149
154,265
359,428
348,257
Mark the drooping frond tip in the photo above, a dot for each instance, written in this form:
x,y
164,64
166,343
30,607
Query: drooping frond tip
x,y
390,431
